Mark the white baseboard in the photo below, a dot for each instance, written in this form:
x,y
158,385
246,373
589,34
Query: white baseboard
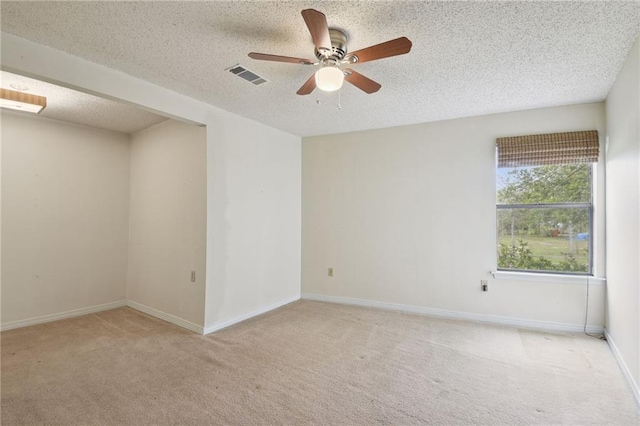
x,y
147,310
63,315
165,316
623,366
442,313
226,323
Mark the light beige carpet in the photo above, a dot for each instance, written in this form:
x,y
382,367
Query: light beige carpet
x,y
307,363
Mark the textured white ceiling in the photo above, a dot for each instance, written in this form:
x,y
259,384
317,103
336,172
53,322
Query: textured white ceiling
x,y
81,108
468,58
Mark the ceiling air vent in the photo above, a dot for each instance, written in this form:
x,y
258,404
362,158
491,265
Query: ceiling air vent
x,y
245,74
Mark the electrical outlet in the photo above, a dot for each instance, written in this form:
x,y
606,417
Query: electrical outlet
x,y
330,272
193,276
484,285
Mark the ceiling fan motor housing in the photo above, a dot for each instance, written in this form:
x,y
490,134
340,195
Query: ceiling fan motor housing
x,y
338,46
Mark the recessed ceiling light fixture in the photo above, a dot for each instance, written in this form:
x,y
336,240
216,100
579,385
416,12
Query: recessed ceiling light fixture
x,y
21,101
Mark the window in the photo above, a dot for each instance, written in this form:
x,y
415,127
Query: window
x,y
544,202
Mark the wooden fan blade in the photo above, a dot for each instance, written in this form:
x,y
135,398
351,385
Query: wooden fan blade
x,y
278,58
361,82
399,46
317,24
308,87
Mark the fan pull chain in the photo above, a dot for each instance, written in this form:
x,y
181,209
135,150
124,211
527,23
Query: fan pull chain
x,y
339,102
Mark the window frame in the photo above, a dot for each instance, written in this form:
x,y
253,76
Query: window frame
x,y
588,205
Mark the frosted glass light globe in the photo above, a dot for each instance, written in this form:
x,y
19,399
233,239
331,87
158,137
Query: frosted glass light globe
x,y
329,78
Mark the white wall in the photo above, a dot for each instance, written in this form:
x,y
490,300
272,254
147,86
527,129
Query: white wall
x,y
65,211
254,219
246,271
406,215
167,225
623,214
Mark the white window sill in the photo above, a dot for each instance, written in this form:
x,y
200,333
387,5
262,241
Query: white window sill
x,y
549,278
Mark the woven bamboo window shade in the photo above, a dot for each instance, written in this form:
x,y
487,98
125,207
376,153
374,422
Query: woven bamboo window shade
x,y
551,148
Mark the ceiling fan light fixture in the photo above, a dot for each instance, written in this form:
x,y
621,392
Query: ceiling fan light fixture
x,y
329,78
331,52
21,101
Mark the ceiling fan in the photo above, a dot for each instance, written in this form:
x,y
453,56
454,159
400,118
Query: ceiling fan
x,y
331,53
